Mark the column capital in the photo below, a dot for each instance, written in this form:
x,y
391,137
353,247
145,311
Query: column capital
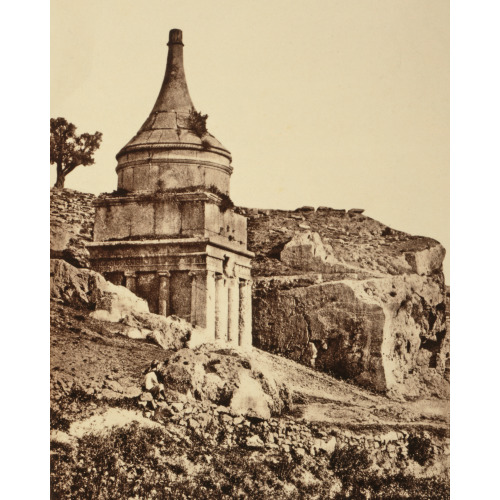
x,y
232,281
129,274
164,274
244,282
196,273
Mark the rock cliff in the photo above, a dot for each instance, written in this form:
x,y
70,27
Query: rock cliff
x,y
350,296
333,289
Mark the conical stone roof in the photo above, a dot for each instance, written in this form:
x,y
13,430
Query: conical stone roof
x,y
168,125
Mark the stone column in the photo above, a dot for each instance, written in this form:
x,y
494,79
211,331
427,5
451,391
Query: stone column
x,y
195,298
210,306
202,301
245,316
164,294
221,298
233,311
130,280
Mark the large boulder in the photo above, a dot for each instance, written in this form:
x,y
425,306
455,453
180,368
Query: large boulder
x,y
427,261
83,288
169,332
307,251
228,378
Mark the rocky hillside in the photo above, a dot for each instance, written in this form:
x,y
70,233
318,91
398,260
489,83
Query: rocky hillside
x,y
246,424
346,294
347,245
233,425
333,289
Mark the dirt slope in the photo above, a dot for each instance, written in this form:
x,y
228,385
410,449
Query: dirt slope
x,y
94,357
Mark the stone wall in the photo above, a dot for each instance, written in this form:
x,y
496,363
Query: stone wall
x,y
71,225
389,450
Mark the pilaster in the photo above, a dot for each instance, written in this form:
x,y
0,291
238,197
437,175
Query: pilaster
x,y
131,280
210,306
221,309
198,299
245,313
233,311
164,294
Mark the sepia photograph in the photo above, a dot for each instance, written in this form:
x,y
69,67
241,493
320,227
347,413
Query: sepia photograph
x,y
249,249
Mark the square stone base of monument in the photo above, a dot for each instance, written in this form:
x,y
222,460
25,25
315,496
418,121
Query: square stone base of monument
x,y
160,216
198,279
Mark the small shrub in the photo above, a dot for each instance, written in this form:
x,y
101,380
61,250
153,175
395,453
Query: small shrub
x,y
348,461
420,449
197,123
283,468
226,202
118,192
61,466
396,486
57,421
77,394
160,186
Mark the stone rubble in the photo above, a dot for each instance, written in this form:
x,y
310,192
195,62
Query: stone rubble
x,y
220,426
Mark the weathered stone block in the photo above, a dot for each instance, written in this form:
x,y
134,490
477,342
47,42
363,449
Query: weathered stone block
x,y
365,331
167,218
142,219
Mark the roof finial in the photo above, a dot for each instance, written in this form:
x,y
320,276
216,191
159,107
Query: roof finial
x,y
175,37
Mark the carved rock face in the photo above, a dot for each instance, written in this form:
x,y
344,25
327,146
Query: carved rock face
x,y
370,300
388,334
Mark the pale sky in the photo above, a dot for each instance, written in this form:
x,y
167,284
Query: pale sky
x,y
343,103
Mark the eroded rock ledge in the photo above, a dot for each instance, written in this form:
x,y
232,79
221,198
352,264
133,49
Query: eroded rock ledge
x,y
352,297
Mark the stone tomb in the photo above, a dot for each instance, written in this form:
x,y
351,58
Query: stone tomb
x,y
167,233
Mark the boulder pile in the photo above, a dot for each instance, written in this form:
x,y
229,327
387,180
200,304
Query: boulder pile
x,y
221,426
226,378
